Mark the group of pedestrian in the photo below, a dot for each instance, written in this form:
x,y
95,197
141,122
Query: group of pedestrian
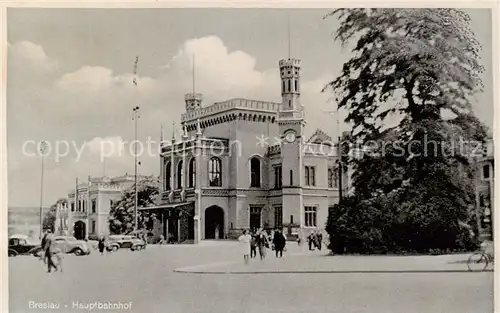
x,y
315,240
261,240
50,254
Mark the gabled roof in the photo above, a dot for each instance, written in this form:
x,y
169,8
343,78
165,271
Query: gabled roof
x,y
320,137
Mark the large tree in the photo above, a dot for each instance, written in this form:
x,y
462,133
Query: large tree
x,y
415,70
121,217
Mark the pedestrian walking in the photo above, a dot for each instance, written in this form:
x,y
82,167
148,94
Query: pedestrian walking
x,y
262,244
162,240
244,240
279,243
271,239
101,245
253,246
51,253
320,239
310,241
43,245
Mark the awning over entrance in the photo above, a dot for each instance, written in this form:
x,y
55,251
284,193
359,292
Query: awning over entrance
x,y
186,207
166,206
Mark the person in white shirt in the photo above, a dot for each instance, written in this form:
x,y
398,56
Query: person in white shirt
x,y
245,240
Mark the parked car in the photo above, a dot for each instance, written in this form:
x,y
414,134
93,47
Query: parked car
x,y
133,243
23,245
69,244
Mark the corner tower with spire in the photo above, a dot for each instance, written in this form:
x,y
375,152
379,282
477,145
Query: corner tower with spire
x,y
291,125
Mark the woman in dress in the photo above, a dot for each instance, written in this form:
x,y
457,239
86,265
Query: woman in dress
x,y
245,245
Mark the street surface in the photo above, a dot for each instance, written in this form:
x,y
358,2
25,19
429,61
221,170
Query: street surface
x,y
147,280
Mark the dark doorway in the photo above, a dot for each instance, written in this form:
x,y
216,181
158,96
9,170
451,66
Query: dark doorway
x,y
214,223
173,229
255,216
79,230
191,227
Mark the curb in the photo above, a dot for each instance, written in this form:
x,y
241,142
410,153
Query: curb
x,y
187,271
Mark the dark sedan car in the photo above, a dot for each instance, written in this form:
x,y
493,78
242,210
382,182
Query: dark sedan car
x,y
116,242
22,245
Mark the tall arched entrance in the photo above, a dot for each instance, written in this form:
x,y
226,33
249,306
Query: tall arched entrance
x,y
214,223
79,230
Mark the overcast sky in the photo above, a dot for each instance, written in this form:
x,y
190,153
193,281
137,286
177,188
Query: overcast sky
x,y
70,78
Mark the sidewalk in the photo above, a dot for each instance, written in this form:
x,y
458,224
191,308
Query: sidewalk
x,y
319,262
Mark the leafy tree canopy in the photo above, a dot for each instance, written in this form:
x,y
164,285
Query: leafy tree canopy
x,y
49,217
121,217
419,66
421,60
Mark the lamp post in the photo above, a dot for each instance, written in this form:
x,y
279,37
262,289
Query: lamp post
x,y
135,117
42,148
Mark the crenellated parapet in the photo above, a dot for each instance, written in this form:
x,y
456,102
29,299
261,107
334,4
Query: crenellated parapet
x,y
234,109
274,150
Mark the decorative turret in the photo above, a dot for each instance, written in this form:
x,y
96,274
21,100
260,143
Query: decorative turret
x,y
193,101
290,84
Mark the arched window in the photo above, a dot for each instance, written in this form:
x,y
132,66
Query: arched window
x,y
283,87
296,89
192,173
214,172
254,172
289,85
180,176
167,175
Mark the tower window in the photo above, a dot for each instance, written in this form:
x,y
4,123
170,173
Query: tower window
x,y
291,177
283,87
255,172
214,172
290,104
278,217
289,85
486,171
180,175
310,176
310,216
332,177
296,89
168,175
192,173
277,177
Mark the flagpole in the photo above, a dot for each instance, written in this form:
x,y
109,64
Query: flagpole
x,y
87,210
135,117
42,153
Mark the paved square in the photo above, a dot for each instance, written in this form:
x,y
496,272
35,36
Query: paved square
x,y
147,280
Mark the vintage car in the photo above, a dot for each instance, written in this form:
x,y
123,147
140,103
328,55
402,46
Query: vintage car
x,y
133,243
69,244
23,245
